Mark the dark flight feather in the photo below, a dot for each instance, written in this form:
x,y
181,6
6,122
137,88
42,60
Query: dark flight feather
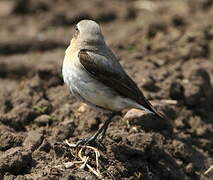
x,y
121,83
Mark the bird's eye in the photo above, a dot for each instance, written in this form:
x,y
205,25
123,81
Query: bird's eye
x,y
76,31
76,28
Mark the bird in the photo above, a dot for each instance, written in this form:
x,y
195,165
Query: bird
x,y
94,75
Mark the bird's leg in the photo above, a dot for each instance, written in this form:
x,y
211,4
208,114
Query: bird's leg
x,y
101,132
105,126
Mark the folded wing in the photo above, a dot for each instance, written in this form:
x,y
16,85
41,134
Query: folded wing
x,y
119,81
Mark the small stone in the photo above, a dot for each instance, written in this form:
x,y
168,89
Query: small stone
x,y
147,121
179,162
189,168
33,140
68,165
133,114
81,110
43,120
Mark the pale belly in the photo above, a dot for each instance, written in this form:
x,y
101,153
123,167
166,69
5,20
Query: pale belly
x,y
93,92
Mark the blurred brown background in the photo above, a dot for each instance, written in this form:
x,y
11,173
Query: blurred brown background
x,y
165,46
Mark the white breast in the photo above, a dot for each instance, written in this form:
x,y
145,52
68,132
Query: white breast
x,y
82,84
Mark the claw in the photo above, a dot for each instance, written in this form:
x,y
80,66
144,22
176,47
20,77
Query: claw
x,y
85,141
100,134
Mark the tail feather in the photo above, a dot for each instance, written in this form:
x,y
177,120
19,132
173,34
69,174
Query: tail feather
x,y
163,117
160,115
147,106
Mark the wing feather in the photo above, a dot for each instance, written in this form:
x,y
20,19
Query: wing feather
x,y
119,81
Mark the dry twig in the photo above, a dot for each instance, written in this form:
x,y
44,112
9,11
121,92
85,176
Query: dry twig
x,y
84,159
209,170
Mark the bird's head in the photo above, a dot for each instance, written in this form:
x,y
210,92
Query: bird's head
x,y
88,32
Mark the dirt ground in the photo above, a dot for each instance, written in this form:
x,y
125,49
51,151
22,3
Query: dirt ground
x,y
165,46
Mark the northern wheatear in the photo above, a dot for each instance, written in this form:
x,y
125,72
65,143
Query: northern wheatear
x,y
93,73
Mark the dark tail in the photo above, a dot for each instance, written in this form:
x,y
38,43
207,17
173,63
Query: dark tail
x,y
144,102
160,115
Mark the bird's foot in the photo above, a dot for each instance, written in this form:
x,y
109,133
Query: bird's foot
x,y
99,135
85,141
91,140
